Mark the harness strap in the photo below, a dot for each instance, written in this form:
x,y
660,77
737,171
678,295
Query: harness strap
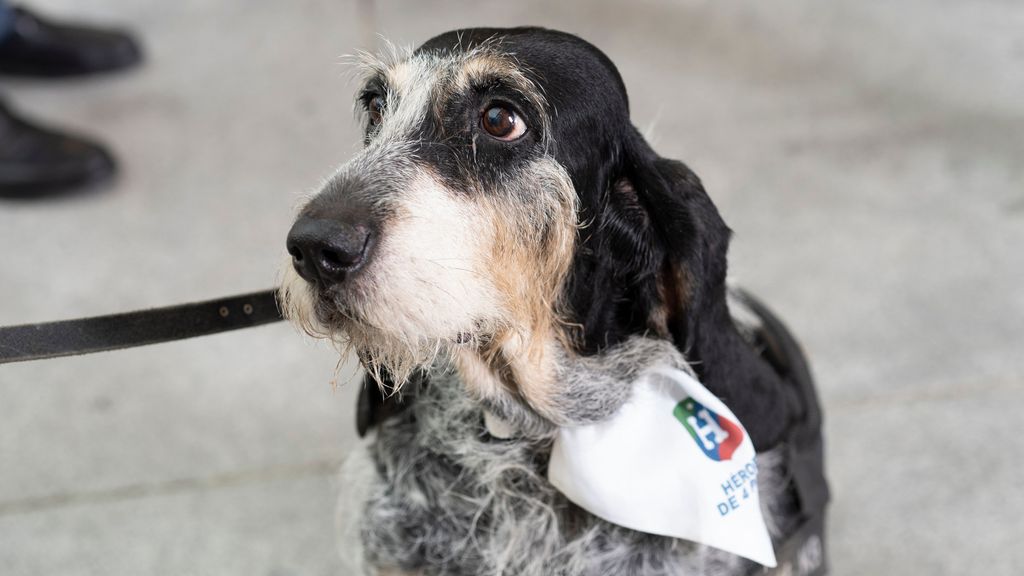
x,y
138,328
803,552
805,458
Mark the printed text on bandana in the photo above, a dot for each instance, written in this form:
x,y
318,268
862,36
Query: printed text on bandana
x,y
738,488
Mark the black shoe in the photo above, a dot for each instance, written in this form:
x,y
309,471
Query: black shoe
x,y
36,162
38,47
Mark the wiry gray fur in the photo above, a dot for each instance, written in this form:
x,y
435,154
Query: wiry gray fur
x,y
444,498
590,388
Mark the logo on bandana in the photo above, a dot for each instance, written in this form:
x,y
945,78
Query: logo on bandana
x,y
716,435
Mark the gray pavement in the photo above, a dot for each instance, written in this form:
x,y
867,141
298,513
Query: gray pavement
x,y
868,156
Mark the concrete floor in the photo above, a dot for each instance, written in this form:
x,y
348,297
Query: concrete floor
x,y
868,155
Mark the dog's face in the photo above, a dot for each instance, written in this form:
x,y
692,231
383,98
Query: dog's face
x,y
500,211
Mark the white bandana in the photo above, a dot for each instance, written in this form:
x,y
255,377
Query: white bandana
x,y
673,461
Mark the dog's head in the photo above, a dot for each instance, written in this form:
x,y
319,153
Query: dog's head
x,y
505,212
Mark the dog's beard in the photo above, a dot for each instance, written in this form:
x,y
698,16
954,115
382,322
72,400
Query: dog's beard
x,y
398,348
398,355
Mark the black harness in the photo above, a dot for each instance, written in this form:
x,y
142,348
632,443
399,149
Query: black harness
x,y
803,551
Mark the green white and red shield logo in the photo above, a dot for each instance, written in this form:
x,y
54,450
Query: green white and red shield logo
x,y
715,434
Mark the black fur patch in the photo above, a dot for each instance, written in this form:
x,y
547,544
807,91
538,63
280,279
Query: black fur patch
x,y
646,218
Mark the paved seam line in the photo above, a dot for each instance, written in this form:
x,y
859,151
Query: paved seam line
x,y
176,486
952,391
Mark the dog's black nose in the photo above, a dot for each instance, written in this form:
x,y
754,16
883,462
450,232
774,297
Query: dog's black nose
x,y
325,251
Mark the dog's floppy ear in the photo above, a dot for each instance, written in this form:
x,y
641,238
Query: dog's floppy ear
x,y
681,251
690,238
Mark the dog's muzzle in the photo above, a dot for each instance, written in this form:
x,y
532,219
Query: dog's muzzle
x,y
326,252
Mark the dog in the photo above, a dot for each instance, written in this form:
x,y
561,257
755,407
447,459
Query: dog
x,y
504,256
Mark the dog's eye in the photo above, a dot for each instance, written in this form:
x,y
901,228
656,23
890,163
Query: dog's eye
x,y
503,123
375,106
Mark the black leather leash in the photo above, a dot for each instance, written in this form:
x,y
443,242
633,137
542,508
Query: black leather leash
x,y
139,328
